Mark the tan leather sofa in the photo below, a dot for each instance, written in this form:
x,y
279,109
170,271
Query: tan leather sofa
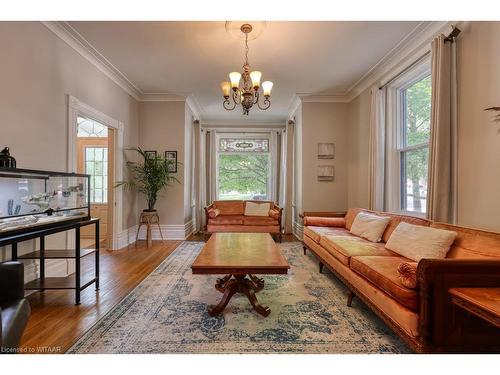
x,y
229,216
424,317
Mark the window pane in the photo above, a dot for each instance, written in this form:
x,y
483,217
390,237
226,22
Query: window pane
x,y
243,176
414,165
243,145
417,116
89,153
97,168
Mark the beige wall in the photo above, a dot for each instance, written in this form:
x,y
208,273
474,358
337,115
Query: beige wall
x,y
38,71
357,155
479,137
324,122
162,127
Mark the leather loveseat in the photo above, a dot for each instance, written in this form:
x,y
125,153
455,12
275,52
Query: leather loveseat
x,y
229,216
14,308
423,316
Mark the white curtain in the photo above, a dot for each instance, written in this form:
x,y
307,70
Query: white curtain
x,y
200,173
441,195
376,161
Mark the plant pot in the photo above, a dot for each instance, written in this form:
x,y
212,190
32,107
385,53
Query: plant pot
x,y
149,210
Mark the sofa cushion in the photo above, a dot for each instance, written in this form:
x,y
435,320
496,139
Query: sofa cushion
x,y
351,215
345,247
382,272
315,233
338,222
227,220
369,226
259,220
257,209
418,242
230,207
396,219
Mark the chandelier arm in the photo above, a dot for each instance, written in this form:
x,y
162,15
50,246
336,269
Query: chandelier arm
x,y
256,96
227,104
237,96
266,104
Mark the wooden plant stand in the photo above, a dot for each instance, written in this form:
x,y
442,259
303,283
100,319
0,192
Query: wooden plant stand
x,y
148,219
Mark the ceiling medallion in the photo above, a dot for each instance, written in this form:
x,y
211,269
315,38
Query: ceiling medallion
x,y
247,94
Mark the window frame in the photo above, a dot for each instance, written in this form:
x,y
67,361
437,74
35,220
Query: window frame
x,y
270,153
397,135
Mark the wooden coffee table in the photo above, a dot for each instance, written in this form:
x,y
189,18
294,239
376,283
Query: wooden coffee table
x,y
240,256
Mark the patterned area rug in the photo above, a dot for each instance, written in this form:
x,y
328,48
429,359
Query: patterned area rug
x,y
167,313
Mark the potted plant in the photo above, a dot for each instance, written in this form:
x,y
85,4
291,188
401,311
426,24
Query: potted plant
x,y
148,176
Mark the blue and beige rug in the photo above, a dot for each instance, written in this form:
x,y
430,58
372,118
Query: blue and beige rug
x,y
167,313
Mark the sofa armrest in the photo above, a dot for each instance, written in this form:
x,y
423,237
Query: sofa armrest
x,y
435,278
11,281
322,214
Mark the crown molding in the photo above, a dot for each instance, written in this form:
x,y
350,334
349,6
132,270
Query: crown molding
x,y
195,107
161,97
69,35
237,124
416,43
323,98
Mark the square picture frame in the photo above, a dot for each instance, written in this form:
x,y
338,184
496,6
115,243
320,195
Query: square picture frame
x,y
151,154
326,150
172,156
326,173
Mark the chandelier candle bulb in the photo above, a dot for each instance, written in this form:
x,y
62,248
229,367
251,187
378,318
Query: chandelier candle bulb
x,y
226,88
235,79
255,76
267,87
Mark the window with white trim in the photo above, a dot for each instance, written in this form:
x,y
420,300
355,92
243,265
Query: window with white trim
x,y
244,167
413,133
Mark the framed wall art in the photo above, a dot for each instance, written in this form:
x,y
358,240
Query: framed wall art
x,y
326,150
171,156
326,173
150,154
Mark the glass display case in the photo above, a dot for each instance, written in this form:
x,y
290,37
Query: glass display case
x,y
33,198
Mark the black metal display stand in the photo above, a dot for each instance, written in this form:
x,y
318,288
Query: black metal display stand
x,y
73,281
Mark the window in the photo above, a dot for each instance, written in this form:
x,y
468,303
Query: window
x,y
96,165
414,133
243,168
90,128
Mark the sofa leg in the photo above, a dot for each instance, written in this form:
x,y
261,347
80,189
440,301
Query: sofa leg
x,y
321,267
305,248
350,296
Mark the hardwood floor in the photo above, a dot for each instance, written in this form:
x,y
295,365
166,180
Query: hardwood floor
x,y
56,323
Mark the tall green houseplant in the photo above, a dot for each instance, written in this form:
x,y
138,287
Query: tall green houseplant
x,y
148,176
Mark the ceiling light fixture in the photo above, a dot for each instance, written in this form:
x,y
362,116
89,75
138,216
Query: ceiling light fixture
x,y
248,93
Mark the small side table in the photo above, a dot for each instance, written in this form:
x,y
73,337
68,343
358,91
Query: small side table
x,y
149,219
482,302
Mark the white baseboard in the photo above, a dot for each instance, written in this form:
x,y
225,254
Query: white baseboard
x,y
170,232
298,230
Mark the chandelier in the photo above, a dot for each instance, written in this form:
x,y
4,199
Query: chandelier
x,y
247,94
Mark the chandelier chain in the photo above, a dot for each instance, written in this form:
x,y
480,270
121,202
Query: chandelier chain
x,y
246,49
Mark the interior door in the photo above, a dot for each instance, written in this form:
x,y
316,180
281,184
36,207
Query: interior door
x,y
93,159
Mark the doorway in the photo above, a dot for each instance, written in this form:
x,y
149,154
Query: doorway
x,y
95,156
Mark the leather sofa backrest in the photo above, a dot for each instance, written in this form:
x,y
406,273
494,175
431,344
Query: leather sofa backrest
x,y
396,219
472,243
351,215
235,207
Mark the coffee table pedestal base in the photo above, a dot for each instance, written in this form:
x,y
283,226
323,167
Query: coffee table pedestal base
x,y
231,284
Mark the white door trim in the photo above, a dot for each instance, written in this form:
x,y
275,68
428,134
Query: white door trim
x,y
77,107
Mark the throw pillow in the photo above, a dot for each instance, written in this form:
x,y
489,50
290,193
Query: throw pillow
x,y
418,242
213,213
370,227
257,209
275,214
407,274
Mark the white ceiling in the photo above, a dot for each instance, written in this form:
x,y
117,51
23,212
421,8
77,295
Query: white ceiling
x,y
192,58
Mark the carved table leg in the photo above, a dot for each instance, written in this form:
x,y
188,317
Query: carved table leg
x,y
221,283
258,283
350,296
321,267
240,284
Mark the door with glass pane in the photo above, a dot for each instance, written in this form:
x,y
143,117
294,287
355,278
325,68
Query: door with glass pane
x,y
93,159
